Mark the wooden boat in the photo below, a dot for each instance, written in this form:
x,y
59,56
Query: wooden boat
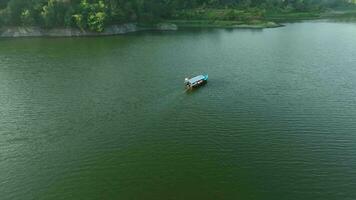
x,y
196,81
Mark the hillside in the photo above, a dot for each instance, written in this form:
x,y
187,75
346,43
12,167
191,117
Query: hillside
x,y
95,15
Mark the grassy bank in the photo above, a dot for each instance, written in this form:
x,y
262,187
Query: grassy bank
x,y
222,18
256,24
281,17
249,18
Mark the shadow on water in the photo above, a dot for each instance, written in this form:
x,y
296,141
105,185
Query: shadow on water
x,y
195,90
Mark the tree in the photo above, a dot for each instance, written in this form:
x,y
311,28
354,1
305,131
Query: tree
x,y
91,15
96,21
79,21
95,14
48,13
14,11
27,18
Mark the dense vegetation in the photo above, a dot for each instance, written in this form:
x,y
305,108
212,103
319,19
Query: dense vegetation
x,y
96,14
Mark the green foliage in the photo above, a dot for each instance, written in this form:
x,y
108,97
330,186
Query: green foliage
x,y
79,21
48,13
27,18
68,17
221,14
91,15
55,13
96,21
95,14
14,11
3,17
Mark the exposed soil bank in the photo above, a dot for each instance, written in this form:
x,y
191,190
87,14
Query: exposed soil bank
x,y
34,31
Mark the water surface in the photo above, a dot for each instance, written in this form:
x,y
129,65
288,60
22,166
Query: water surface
x,y
108,117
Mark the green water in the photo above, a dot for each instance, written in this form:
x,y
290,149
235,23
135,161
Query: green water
x,y
108,117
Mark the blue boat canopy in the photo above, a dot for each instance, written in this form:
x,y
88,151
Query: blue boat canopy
x,y
197,78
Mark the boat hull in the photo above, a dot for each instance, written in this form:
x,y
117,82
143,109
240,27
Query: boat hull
x,y
202,80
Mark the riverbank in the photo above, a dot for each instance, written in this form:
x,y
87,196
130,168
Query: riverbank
x,y
212,18
282,17
34,31
223,18
169,25
250,18
257,24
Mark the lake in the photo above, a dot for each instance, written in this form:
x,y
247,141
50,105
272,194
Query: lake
x,y
109,118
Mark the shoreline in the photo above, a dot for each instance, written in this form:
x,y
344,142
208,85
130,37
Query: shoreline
x,y
271,21
35,31
224,24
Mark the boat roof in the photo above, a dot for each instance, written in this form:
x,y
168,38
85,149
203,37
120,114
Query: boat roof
x,y
195,79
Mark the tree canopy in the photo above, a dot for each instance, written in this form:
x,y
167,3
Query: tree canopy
x,y
95,14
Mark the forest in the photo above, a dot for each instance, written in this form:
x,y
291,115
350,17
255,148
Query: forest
x,y
94,15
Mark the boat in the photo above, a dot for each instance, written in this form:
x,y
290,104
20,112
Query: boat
x,y
196,81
